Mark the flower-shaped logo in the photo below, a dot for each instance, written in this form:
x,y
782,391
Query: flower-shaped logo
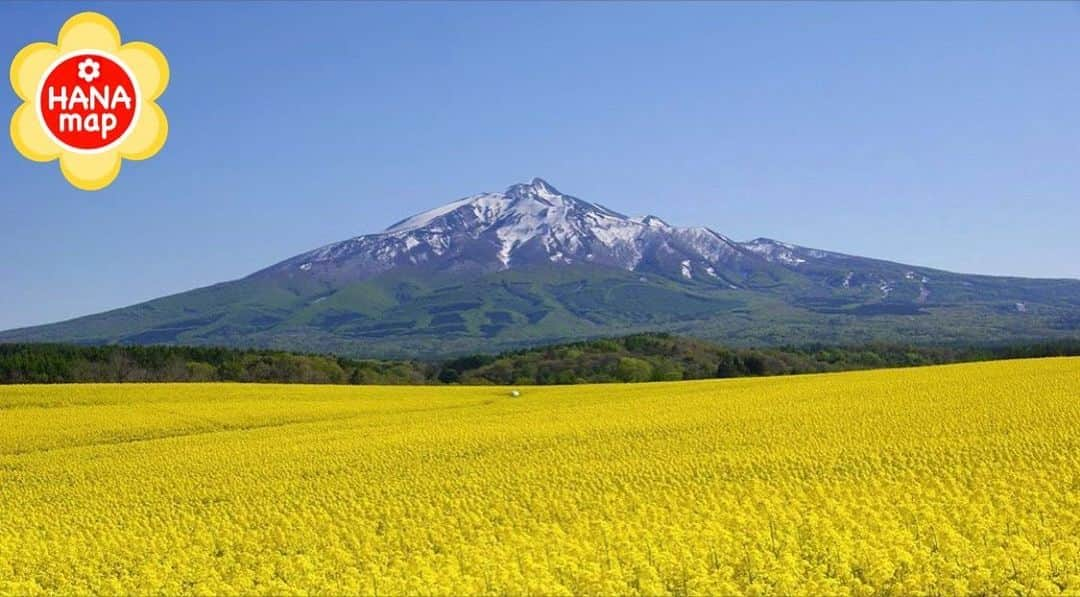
x,y
89,101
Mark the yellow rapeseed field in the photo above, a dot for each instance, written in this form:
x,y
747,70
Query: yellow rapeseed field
x,y
943,480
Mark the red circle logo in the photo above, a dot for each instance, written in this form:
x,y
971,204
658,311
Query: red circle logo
x,y
88,101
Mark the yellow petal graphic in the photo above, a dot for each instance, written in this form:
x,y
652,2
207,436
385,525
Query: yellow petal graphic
x,y
149,66
90,172
28,66
149,134
89,30
29,138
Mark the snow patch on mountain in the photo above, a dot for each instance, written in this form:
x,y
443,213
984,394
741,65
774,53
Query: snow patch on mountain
x,y
423,219
885,287
774,251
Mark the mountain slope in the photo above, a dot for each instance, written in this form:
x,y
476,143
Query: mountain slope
x,y
532,265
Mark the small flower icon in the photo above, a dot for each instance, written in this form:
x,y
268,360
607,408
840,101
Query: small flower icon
x,y
89,70
89,127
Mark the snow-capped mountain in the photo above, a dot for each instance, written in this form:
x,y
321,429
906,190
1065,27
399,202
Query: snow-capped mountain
x,y
532,265
529,224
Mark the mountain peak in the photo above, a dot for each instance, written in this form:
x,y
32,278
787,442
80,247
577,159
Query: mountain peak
x,y
542,185
537,188
528,224
654,221
487,206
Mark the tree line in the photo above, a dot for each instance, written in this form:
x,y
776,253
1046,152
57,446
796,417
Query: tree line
x,y
65,363
637,358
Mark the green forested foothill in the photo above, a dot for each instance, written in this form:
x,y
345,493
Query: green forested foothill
x,y
637,358
660,357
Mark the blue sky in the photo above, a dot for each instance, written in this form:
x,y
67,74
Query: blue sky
x,y
944,135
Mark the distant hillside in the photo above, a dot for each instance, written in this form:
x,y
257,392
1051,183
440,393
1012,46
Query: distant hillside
x,y
533,266
637,358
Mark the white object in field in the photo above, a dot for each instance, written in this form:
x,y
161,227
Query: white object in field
x,y
514,393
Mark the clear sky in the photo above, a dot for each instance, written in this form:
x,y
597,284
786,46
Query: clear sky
x,y
945,135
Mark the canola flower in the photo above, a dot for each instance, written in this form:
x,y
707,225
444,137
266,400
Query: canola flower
x,y
951,480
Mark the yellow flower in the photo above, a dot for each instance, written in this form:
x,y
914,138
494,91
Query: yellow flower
x,y
90,34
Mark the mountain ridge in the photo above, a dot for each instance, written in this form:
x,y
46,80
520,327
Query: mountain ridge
x,y
520,226
532,265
